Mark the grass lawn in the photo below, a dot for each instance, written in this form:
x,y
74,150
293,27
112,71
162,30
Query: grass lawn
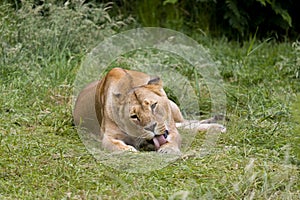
x,y
42,156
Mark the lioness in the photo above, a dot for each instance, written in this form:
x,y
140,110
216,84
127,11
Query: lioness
x,y
133,113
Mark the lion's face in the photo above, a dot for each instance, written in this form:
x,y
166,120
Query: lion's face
x,y
145,113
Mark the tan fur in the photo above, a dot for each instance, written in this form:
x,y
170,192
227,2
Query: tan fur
x,y
127,109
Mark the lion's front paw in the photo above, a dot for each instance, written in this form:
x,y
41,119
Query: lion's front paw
x,y
169,149
217,128
129,148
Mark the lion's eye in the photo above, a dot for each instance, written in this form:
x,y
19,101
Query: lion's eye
x,y
153,106
134,117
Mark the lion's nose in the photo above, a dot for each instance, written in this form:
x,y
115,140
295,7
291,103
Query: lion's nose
x,y
151,127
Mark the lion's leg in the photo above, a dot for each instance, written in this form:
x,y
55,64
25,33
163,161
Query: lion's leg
x,y
173,141
113,144
176,112
171,147
203,125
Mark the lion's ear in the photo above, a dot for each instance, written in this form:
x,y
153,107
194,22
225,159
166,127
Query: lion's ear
x,y
155,81
156,85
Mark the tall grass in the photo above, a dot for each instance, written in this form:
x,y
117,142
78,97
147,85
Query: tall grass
x,y
42,156
47,33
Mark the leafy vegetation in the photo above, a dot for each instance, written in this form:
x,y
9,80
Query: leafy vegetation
x,y
42,156
237,20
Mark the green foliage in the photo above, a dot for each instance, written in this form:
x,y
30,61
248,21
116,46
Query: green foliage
x,y
236,17
278,10
233,18
296,119
42,156
158,13
73,28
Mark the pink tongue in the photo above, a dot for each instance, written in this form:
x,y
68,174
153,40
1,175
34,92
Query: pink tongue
x,y
159,140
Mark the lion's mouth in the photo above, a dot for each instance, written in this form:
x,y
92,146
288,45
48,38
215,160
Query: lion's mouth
x,y
159,140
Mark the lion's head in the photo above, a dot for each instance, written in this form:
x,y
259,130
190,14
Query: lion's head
x,y
144,111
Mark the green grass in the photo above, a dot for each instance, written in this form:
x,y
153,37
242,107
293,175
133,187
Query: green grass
x,y
42,156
